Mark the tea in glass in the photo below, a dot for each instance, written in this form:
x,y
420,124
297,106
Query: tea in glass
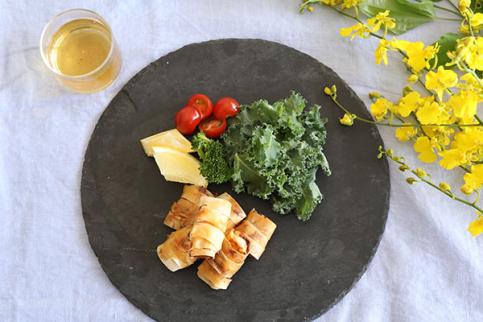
x,y
78,46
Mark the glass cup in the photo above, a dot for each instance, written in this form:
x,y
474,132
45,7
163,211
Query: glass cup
x,y
77,46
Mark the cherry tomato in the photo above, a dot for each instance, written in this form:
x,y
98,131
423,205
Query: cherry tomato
x,y
213,128
187,119
202,103
226,107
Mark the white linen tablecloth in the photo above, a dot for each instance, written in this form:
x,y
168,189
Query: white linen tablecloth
x,y
427,267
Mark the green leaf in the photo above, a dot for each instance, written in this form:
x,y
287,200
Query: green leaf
x,y
408,14
447,42
477,6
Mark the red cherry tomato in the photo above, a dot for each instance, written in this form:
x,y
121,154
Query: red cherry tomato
x,y
226,107
187,119
213,128
202,103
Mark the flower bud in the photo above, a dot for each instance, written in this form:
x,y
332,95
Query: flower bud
x,y
444,186
420,173
403,168
374,95
413,78
411,180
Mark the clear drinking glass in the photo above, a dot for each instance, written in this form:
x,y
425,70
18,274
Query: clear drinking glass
x,y
78,47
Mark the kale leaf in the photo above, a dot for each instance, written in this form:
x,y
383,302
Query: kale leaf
x,y
272,151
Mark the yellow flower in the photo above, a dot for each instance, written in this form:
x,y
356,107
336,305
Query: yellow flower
x,y
357,30
469,50
464,104
347,119
418,55
379,108
444,186
404,134
331,2
381,19
430,113
346,4
476,21
425,149
469,142
464,4
476,227
327,91
381,51
441,80
473,179
408,104
464,29
452,158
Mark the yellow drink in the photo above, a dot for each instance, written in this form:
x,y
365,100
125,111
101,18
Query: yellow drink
x,y
79,47
83,54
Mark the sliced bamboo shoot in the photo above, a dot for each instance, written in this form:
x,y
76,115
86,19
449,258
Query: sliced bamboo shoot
x,y
257,230
209,227
237,213
183,211
174,252
217,272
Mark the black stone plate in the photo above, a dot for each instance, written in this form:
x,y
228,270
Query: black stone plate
x,y
307,267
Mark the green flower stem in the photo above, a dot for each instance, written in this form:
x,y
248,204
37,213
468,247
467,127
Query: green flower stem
x,y
453,5
428,182
448,10
418,125
472,72
446,19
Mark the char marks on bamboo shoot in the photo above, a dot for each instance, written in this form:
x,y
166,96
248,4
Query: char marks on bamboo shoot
x,y
257,230
209,226
183,211
174,252
237,214
218,272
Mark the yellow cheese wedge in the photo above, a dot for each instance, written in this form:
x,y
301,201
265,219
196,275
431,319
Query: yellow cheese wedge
x,y
178,166
171,139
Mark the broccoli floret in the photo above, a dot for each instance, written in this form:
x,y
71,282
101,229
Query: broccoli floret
x,y
214,165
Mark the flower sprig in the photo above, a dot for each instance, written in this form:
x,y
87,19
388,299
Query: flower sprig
x,y
437,111
420,175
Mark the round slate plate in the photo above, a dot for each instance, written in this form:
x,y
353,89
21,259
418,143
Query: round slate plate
x,y
307,267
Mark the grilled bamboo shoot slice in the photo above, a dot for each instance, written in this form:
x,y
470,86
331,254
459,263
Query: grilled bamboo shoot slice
x,y
211,277
174,252
209,227
183,211
217,272
237,213
257,230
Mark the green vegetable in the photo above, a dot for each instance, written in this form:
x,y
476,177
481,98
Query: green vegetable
x,y
408,14
214,166
274,151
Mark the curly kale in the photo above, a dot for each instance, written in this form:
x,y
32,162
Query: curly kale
x,y
272,151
